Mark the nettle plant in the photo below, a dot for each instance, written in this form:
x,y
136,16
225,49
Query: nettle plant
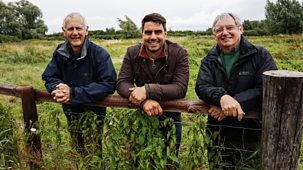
x,y
133,140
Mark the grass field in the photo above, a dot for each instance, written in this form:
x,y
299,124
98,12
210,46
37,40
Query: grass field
x,y
22,64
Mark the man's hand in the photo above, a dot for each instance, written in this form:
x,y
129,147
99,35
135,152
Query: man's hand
x,y
216,112
62,93
231,107
137,95
152,108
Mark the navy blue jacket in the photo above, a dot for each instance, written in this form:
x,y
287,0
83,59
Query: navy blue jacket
x,y
244,84
91,76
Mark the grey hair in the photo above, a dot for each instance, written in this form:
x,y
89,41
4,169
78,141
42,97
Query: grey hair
x,y
73,15
226,15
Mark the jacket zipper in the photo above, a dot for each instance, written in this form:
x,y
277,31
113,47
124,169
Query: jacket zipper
x,y
156,77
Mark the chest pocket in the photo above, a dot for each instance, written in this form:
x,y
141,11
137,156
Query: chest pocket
x,y
86,77
84,72
245,79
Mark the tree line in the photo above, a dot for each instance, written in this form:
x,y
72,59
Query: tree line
x,y
282,17
23,20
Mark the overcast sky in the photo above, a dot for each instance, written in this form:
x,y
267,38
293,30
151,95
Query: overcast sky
x,y
180,14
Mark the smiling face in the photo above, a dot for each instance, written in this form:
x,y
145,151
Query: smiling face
x,y
227,34
153,35
75,32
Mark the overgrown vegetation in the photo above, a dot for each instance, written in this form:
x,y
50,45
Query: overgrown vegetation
x,y
22,63
8,143
136,142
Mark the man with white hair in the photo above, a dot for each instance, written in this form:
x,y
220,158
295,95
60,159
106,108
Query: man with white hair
x,y
230,80
79,73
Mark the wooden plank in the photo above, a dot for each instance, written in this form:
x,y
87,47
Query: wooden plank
x,y
9,90
179,105
30,116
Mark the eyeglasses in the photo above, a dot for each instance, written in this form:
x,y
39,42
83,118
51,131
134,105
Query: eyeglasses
x,y
228,28
72,29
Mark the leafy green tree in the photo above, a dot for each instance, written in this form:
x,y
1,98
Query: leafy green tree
x,y
209,31
284,17
110,30
30,17
251,25
128,28
255,27
8,21
21,19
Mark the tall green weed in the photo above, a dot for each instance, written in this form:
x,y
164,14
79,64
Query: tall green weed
x,y
133,140
8,143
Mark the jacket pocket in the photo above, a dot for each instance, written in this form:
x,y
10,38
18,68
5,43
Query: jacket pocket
x,y
246,80
85,78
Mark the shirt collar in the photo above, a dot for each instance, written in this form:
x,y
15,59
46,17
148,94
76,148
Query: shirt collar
x,y
65,49
236,49
143,52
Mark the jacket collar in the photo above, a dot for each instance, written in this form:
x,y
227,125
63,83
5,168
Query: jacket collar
x,y
65,49
164,53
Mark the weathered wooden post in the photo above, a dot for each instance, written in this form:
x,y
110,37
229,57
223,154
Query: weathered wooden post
x,y
30,117
282,119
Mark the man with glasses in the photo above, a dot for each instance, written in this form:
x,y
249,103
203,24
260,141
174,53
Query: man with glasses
x,y
79,73
159,68
230,80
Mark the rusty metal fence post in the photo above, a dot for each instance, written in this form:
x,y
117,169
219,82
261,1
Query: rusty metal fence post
x,y
30,116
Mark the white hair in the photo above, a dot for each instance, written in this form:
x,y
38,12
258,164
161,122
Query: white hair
x,y
226,15
73,15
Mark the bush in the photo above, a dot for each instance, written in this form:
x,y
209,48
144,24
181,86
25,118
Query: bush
x,y
256,32
8,38
134,141
30,55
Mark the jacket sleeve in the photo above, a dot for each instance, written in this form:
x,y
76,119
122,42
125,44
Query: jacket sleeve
x,y
251,98
126,76
52,75
104,85
205,85
178,87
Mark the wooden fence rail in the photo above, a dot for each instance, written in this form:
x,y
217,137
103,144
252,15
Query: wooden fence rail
x,y
274,141
180,105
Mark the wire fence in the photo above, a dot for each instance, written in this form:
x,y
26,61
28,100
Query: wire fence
x,y
199,141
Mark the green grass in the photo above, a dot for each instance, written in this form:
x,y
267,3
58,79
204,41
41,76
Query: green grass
x,y
22,64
